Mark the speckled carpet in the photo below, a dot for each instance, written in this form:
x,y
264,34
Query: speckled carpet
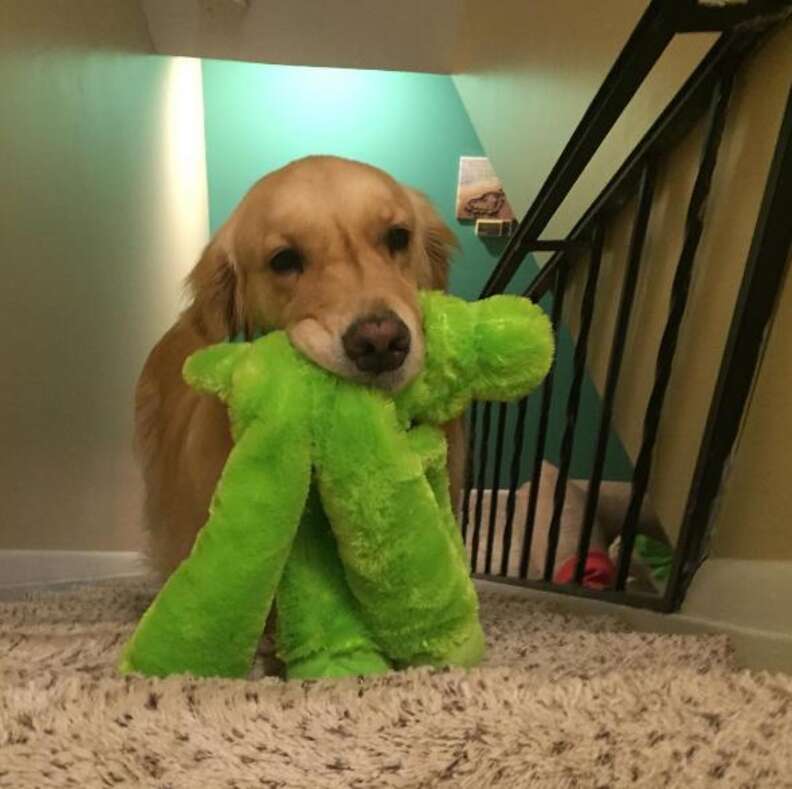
x,y
561,702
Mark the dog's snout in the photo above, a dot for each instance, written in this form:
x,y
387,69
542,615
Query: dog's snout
x,y
377,343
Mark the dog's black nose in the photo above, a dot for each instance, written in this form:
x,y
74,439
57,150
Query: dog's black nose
x,y
377,343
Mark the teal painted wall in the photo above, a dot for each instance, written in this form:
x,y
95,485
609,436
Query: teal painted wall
x,y
414,126
260,117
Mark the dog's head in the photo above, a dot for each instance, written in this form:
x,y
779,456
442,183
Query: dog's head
x,y
334,252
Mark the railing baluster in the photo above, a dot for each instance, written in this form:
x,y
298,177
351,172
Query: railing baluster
x,y
544,418
637,238
680,288
514,481
482,474
573,401
495,487
469,468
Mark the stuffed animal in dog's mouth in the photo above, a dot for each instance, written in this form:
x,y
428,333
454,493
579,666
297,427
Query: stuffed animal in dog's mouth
x,y
334,504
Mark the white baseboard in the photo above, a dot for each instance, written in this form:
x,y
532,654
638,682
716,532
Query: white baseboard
x,y
751,601
37,568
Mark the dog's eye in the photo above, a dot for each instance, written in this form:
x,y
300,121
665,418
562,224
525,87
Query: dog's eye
x,y
397,239
287,261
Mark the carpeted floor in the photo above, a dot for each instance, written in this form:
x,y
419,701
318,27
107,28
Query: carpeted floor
x,y
561,702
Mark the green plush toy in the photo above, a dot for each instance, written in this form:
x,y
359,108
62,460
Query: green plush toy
x,y
335,504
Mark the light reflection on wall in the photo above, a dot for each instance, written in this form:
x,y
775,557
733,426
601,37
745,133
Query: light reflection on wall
x,y
185,223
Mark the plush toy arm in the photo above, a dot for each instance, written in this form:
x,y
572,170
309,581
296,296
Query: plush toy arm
x,y
209,370
496,349
429,443
209,616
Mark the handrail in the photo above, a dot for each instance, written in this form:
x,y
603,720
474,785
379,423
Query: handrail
x,y
652,35
662,20
682,112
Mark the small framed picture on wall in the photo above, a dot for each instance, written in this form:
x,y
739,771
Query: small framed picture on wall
x,y
480,193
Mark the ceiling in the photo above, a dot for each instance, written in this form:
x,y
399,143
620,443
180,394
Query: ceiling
x,y
403,35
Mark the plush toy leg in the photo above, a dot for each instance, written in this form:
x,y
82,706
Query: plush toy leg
x,y
429,443
320,629
401,563
208,618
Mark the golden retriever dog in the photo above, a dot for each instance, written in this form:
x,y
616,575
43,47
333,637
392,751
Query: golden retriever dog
x,y
333,252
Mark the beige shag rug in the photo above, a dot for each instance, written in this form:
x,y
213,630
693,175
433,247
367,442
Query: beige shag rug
x,y
561,702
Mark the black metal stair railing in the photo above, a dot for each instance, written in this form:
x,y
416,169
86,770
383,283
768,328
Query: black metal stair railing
x,y
706,93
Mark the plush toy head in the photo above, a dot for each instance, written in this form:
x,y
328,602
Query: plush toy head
x,y
495,349
335,497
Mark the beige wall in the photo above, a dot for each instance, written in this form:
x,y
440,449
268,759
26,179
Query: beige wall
x,y
102,209
519,114
755,517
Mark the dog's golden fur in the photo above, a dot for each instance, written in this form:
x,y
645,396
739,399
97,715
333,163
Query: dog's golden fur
x,y
336,215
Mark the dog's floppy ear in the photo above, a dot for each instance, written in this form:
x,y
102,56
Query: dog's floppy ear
x,y
437,241
214,284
